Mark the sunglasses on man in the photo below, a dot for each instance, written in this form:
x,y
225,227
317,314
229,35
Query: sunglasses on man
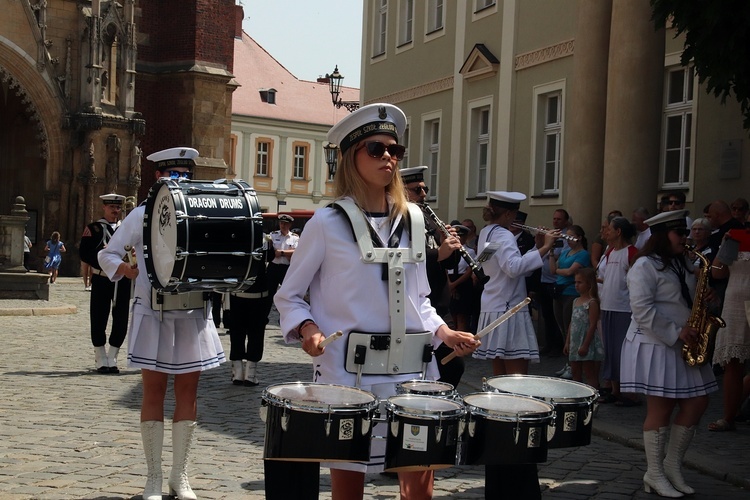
x,y
376,149
418,190
174,174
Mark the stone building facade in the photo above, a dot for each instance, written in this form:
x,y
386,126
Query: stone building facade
x,y
88,88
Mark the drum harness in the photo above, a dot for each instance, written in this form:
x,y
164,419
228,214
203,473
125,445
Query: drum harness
x,y
394,352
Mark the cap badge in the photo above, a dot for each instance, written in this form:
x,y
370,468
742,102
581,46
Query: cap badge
x,y
182,152
381,113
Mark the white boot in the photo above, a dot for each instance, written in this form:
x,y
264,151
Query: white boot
x,y
251,369
653,442
237,372
112,359
679,440
152,434
100,359
182,439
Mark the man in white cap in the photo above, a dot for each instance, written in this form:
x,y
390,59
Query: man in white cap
x,y
105,295
284,242
164,341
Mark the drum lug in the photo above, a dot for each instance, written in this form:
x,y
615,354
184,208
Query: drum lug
x,y
551,428
394,428
264,413
589,414
365,426
438,433
517,430
472,425
285,419
461,427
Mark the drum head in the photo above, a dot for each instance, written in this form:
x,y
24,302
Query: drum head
x,y
510,405
547,388
160,234
423,406
426,387
319,397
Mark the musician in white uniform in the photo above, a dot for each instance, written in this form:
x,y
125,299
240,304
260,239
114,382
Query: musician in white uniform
x,y
660,284
181,342
352,295
513,344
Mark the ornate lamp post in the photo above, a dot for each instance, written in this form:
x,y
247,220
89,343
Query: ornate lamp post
x,y
334,82
332,152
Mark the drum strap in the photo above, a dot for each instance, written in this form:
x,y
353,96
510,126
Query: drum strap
x,y
394,258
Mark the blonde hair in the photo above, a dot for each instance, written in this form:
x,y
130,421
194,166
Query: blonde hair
x,y
588,275
348,182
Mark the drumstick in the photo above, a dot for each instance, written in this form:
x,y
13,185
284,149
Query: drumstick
x,y
487,329
330,339
129,253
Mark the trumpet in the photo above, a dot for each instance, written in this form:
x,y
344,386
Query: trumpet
x,y
475,267
534,230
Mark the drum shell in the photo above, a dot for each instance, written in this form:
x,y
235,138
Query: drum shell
x,y
300,432
430,454
573,414
491,440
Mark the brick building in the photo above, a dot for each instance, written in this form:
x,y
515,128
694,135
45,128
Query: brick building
x,y
90,87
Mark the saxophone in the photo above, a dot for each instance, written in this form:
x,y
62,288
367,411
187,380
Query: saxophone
x,y
704,322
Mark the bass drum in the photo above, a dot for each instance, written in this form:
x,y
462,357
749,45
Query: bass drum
x,y
202,235
574,404
309,422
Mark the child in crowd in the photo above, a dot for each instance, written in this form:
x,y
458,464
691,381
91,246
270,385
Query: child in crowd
x,y
583,344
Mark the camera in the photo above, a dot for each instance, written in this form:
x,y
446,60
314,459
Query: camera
x,y
559,243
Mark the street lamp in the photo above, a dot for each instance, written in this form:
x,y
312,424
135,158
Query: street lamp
x,y
332,152
334,83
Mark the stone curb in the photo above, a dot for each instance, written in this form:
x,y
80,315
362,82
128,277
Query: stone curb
x,y
39,311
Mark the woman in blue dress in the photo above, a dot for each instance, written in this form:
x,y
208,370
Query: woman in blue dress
x,y
54,248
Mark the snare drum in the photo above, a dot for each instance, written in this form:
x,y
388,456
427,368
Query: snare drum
x,y
308,422
573,403
423,432
202,235
506,429
427,388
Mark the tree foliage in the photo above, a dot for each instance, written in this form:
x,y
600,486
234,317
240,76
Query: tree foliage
x,y
717,42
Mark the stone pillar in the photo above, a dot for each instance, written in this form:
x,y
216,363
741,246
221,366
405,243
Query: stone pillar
x,y
584,137
634,108
12,229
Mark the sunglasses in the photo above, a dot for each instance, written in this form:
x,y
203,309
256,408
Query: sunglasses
x,y
419,189
675,202
681,232
174,174
376,149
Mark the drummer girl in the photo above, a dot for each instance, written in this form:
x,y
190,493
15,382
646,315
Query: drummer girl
x,y
350,294
178,342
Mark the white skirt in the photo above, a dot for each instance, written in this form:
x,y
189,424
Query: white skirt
x,y
659,370
177,344
514,339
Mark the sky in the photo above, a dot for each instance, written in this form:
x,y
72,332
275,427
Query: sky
x,y
309,37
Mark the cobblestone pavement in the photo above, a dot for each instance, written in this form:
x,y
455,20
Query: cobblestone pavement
x,y
67,432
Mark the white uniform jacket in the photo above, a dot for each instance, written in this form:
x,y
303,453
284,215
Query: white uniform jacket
x,y
659,310
506,269
349,295
281,242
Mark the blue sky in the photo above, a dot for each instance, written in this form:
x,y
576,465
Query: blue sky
x,y
309,37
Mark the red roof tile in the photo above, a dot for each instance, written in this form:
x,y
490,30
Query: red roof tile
x,y
296,100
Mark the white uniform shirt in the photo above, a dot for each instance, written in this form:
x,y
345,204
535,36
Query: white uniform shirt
x,y
349,295
506,269
281,242
659,310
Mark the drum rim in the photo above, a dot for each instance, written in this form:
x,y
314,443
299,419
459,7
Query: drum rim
x,y
268,397
492,414
449,390
147,244
587,400
424,414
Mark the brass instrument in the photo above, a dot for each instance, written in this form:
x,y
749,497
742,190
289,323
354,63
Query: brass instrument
x,y
475,267
534,230
706,323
